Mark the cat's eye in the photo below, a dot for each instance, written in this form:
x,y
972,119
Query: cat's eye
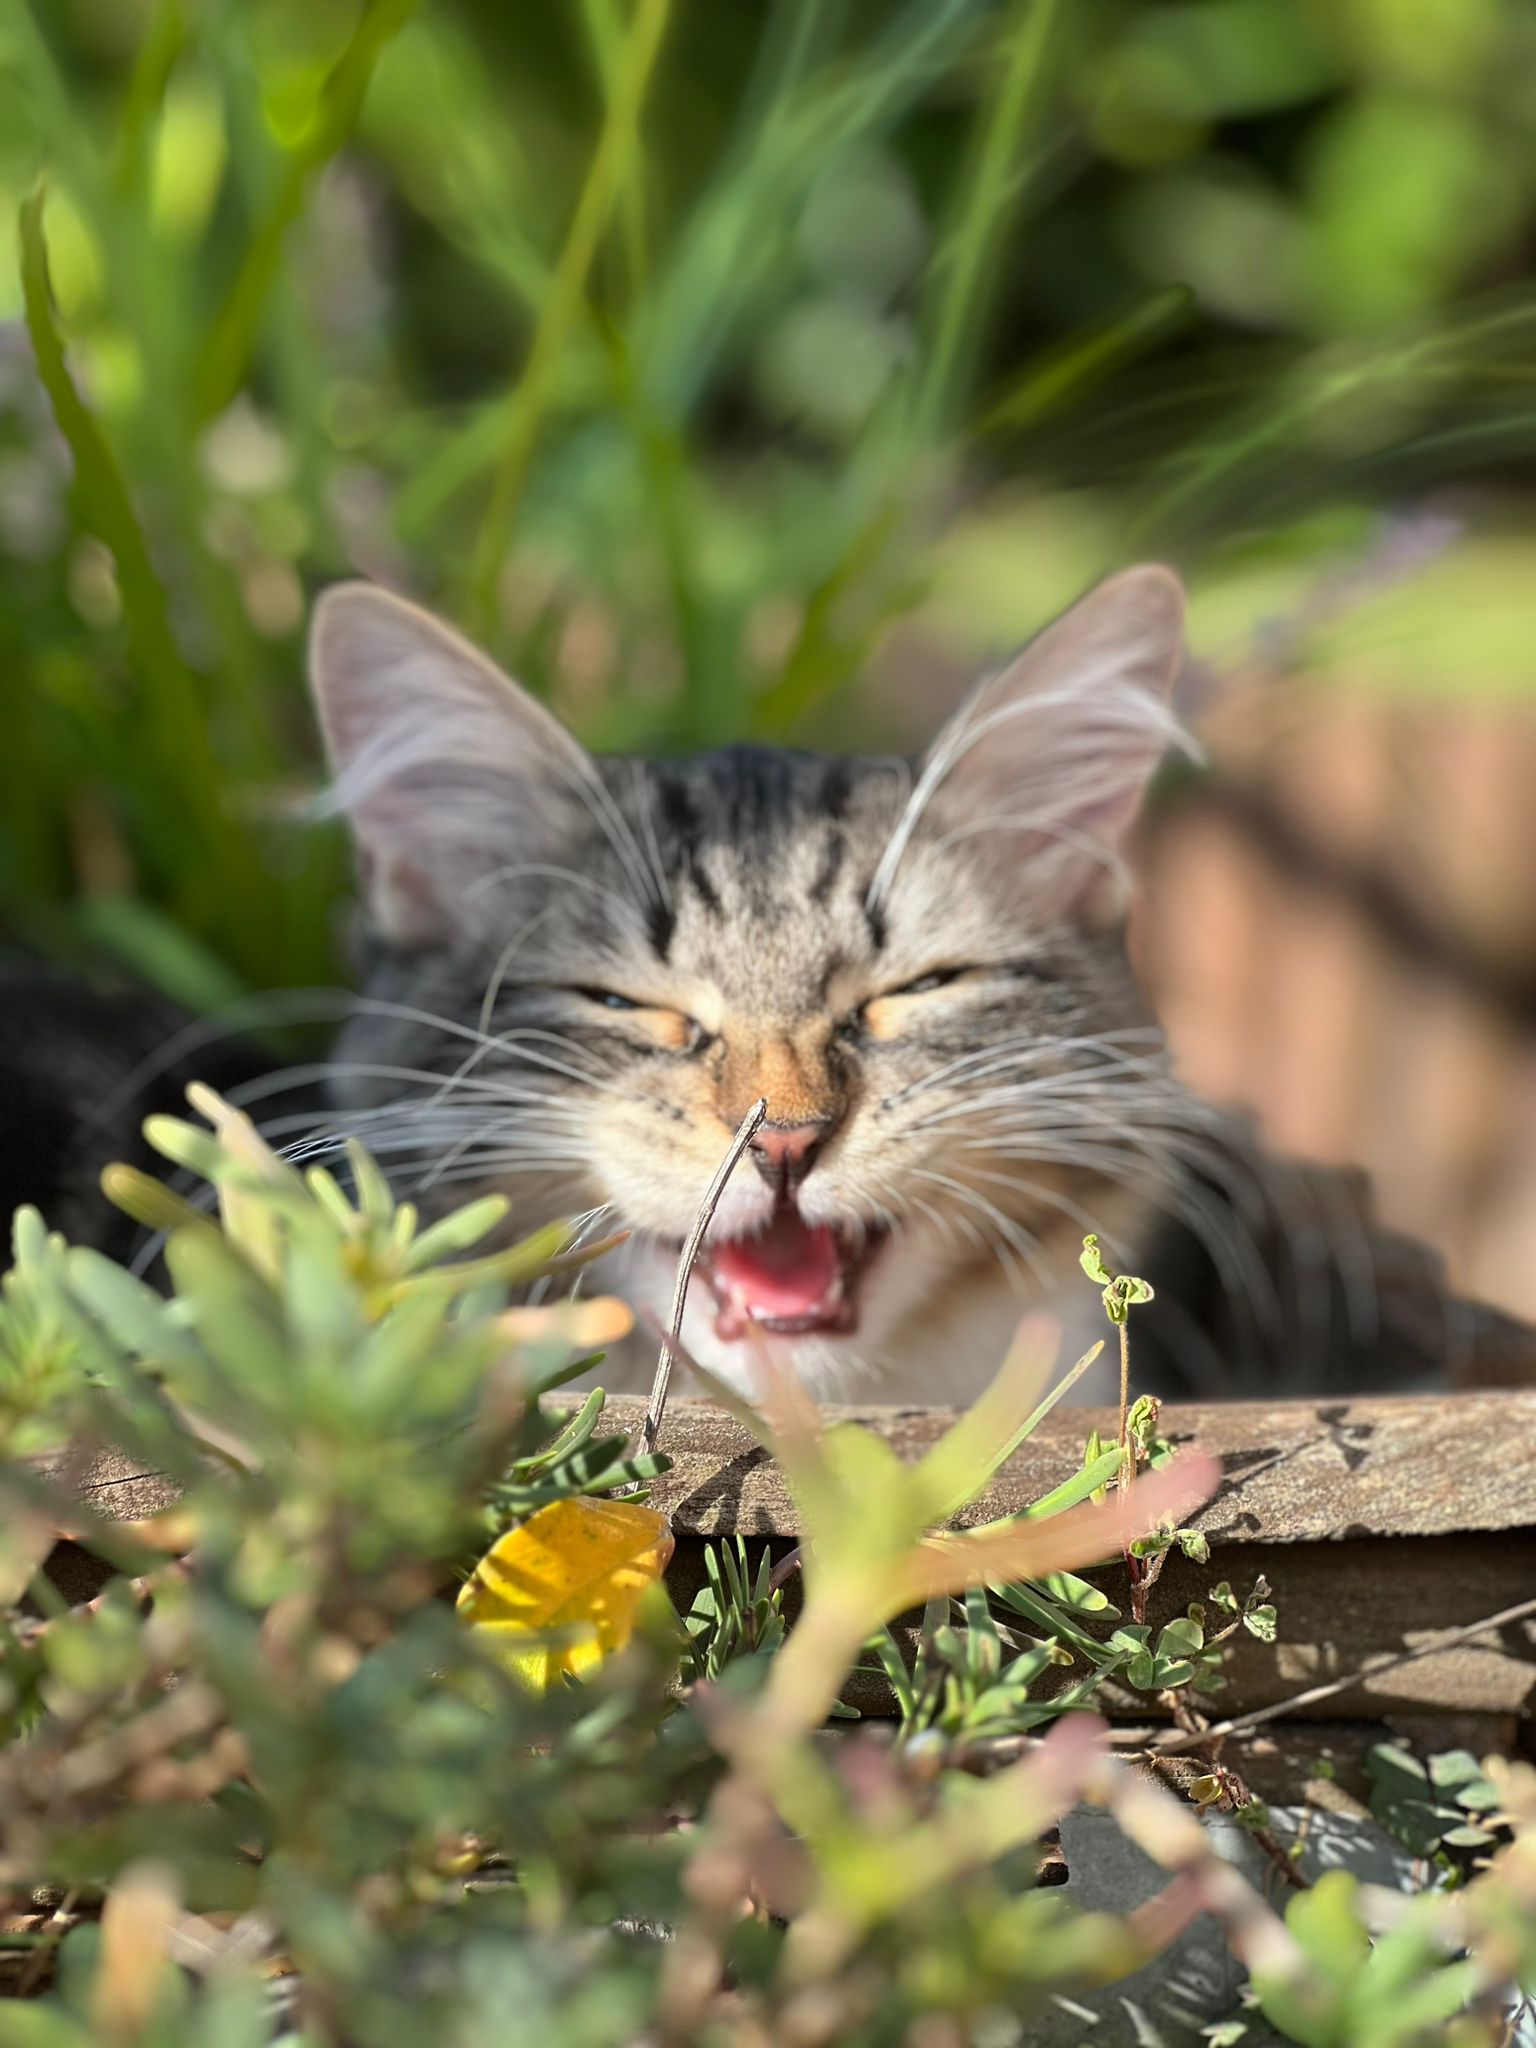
x,y
606,998
941,977
880,1016
671,1030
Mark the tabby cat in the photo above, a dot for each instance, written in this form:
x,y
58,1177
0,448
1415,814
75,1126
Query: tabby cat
x,y
585,970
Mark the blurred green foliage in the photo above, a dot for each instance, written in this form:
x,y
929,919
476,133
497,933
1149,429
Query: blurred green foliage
x,y
267,1786
681,351
276,1718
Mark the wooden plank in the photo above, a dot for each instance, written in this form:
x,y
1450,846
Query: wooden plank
x,y
1295,1471
1363,1599
1343,1607
1379,1524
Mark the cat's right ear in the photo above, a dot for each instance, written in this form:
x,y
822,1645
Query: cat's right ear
x,y
1043,768
445,769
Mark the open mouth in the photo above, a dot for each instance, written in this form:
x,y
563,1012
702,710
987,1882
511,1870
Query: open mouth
x,y
792,1277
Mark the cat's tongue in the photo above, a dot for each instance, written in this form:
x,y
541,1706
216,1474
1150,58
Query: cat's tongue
x,y
790,1273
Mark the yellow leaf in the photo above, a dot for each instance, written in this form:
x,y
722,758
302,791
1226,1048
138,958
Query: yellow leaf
x,y
559,1593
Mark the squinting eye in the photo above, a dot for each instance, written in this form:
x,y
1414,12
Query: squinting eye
x,y
669,1030
877,1018
940,978
607,998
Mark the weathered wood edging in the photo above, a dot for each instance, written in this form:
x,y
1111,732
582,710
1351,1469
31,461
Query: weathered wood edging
x,y
1380,1523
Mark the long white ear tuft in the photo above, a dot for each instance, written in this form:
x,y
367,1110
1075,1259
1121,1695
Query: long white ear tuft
x,y
1045,765
445,768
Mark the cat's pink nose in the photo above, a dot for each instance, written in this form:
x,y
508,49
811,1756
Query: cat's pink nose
x,y
785,1153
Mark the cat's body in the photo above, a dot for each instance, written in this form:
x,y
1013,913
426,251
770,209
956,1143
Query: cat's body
x,y
583,972
83,1061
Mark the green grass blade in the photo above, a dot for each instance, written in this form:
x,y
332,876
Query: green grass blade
x,y
818,658
100,488
186,772
1075,1490
161,46
967,263
160,952
744,231
1026,1600
889,1660
562,306
234,328
1061,375
605,32
982,1459
574,1435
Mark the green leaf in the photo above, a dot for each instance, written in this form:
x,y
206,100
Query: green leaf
x,y
1327,1921
1077,1595
892,1664
1467,1837
1453,1769
1028,1600
1261,1621
1182,1637
1397,1769
1083,1485
458,1232
1092,1261
1225,2033
160,951
983,1439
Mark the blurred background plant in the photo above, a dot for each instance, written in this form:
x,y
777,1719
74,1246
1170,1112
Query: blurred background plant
x,y
764,371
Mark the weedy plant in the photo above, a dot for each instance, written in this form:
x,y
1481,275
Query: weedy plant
x,y
269,1785
975,1675
737,1612
1437,1809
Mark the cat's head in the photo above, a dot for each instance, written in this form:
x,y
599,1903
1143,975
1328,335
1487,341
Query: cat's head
x,y
590,969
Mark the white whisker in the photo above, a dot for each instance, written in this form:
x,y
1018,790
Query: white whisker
x,y
508,954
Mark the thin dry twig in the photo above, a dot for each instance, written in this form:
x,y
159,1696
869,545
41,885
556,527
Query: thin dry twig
x,y
189,1710
51,1933
1170,1745
650,1429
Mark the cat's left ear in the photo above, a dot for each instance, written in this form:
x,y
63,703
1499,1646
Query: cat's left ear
x,y
1044,767
448,773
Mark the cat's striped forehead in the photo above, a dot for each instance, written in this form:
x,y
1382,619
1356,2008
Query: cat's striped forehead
x,y
746,873
755,838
